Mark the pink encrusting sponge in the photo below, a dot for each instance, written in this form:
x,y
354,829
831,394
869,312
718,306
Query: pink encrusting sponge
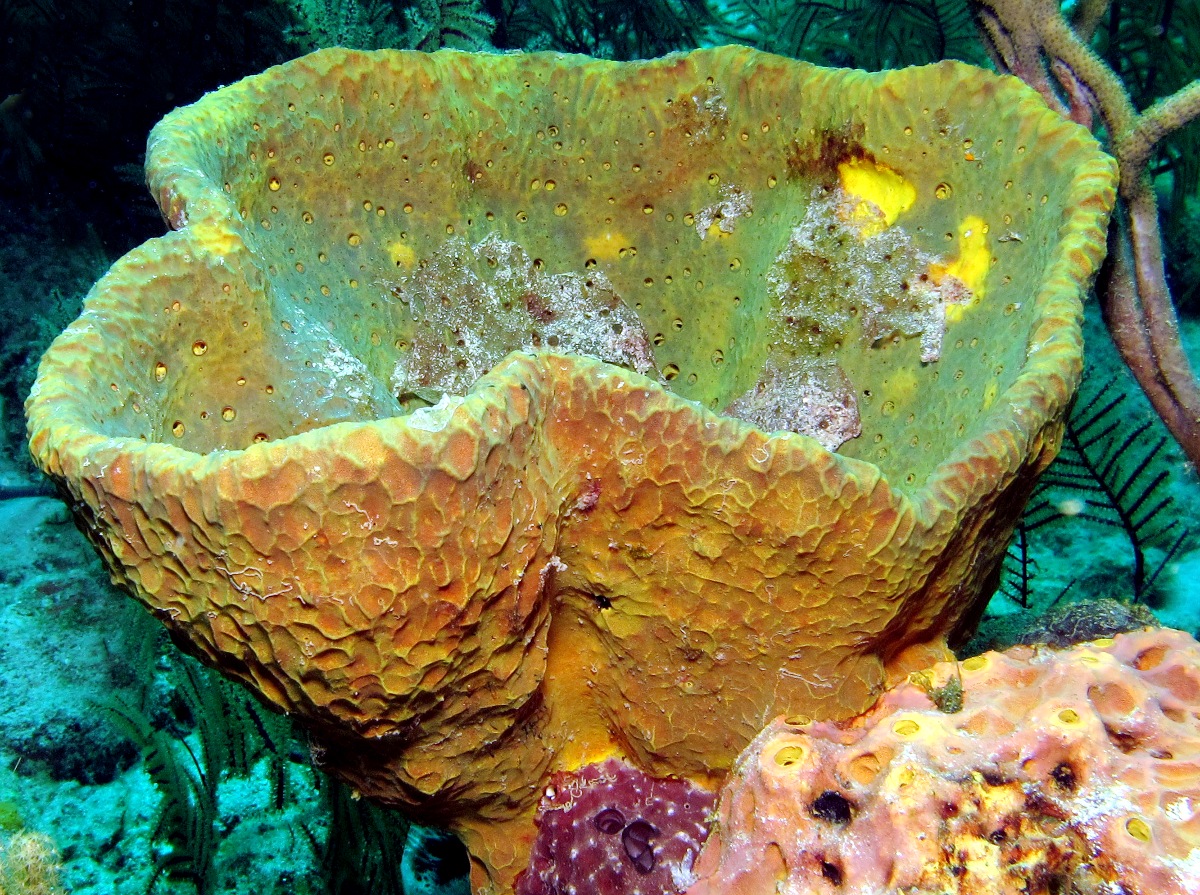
x,y
1071,770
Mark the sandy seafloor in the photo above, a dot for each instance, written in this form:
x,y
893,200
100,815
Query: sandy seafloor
x,y
71,644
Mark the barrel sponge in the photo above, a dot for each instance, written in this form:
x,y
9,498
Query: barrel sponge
x,y
496,415
1065,770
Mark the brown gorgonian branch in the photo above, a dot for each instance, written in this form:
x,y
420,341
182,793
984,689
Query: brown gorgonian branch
x,y
1032,40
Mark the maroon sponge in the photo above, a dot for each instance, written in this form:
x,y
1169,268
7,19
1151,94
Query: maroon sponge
x,y
609,829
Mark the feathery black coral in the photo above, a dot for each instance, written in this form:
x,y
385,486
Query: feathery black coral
x,y
1117,476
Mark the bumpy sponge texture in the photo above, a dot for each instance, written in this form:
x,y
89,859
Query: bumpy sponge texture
x,y
1074,770
609,829
369,429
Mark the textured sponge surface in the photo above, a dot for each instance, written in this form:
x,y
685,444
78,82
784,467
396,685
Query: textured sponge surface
x,y
610,829
1071,770
498,415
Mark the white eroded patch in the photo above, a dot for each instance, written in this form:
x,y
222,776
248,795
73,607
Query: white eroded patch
x,y
437,417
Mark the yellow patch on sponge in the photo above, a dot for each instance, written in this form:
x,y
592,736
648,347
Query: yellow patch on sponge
x,y
971,265
989,394
606,246
402,255
901,386
883,191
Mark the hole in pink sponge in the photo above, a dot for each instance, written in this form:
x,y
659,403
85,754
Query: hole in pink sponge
x,y
832,807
